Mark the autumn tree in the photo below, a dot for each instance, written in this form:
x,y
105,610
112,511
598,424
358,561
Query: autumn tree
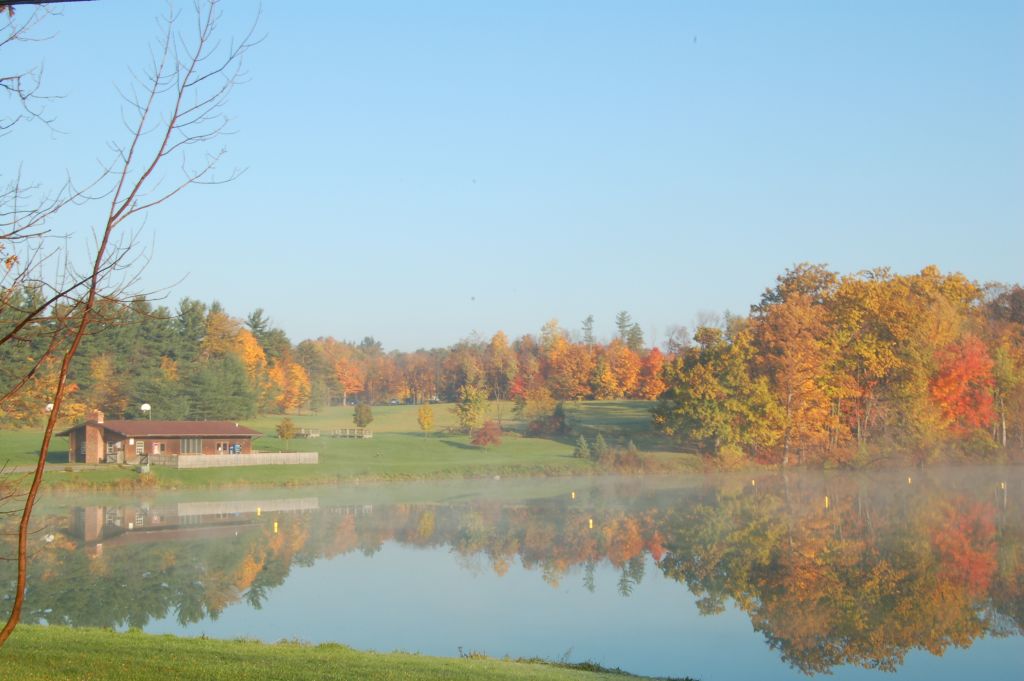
x,y
963,385
349,375
650,384
712,398
500,366
793,354
425,419
285,430
487,435
470,407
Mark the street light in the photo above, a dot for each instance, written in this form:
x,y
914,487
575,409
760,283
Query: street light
x,y
148,409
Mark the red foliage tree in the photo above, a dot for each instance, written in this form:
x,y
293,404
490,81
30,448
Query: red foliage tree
x,y
963,385
488,434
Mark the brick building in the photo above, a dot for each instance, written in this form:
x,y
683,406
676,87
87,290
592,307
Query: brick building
x,y
116,441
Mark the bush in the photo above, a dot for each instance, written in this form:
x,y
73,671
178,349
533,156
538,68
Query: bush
x,y
363,415
488,434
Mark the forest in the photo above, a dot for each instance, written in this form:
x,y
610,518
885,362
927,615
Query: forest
x,y
825,367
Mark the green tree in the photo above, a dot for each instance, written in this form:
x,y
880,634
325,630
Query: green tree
x,y
219,389
362,415
711,397
635,338
582,449
600,447
469,410
588,330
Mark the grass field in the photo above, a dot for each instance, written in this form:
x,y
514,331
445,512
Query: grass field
x,y
51,653
397,451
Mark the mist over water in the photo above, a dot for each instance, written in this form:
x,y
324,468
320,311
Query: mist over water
x,y
916,572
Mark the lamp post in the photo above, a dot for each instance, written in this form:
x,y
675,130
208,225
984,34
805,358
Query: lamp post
x,y
148,409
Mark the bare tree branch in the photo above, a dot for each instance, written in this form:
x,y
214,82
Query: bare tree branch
x,y
180,108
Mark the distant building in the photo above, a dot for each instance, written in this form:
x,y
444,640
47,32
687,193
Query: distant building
x,y
101,441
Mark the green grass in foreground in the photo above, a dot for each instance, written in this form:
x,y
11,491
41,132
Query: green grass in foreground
x,y
52,653
398,450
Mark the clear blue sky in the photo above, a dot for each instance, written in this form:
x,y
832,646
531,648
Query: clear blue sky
x,y
419,171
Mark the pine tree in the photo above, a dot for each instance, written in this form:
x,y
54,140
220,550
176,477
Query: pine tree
x,y
582,450
600,447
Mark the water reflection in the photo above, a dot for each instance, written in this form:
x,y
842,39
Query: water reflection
x,y
831,570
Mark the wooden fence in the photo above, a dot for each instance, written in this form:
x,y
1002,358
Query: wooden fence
x,y
230,460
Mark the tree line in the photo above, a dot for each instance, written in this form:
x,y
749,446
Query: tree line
x,y
199,362
830,367
825,367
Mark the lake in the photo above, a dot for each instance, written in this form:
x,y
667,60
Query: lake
x,y
920,572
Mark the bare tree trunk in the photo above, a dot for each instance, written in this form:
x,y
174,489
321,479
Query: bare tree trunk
x,y
185,90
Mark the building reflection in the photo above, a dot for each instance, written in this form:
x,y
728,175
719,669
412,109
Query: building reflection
x,y
884,567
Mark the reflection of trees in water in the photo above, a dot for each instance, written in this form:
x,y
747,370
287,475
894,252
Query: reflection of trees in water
x,y
863,582
879,572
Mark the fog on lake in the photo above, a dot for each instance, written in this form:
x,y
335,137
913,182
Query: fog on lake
x,y
916,572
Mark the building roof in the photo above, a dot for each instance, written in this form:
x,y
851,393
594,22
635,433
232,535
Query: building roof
x,y
146,428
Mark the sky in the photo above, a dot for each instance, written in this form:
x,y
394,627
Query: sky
x,y
420,172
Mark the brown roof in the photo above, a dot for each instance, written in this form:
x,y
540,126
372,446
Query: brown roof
x,y
147,428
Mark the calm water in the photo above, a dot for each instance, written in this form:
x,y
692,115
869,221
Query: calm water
x,y
919,573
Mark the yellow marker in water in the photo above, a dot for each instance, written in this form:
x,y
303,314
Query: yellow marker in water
x,y
908,479
591,523
753,483
826,501
1002,485
573,495
275,527
259,511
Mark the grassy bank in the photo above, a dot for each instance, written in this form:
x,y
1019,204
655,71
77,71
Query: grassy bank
x,y
51,653
397,451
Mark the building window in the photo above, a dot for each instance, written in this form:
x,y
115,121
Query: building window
x,y
191,445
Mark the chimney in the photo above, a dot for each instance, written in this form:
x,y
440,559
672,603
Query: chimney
x,y
97,416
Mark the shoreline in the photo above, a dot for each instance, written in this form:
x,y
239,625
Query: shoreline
x,y
46,652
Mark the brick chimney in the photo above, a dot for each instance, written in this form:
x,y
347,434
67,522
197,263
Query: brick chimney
x,y
97,416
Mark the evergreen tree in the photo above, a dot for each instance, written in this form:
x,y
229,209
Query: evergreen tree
x,y
600,447
588,330
582,450
219,389
635,338
622,322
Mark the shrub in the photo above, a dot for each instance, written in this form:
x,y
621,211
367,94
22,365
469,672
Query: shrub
x,y
363,415
488,434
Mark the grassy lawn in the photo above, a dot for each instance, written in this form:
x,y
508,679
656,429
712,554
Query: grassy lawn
x,y
397,451
51,653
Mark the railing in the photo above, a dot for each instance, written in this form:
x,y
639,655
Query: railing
x,y
229,460
362,433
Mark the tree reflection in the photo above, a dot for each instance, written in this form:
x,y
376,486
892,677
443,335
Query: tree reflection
x,y
877,571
